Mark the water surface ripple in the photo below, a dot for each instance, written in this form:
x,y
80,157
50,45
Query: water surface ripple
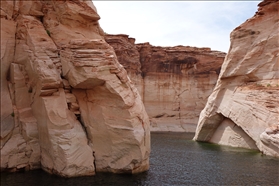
x,y
175,160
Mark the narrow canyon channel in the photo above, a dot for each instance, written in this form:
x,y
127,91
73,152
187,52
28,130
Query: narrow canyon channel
x,y
175,160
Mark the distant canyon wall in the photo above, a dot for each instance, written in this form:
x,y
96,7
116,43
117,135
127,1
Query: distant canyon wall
x,y
174,82
243,110
67,104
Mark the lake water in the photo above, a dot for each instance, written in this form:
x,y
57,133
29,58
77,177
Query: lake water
x,y
175,160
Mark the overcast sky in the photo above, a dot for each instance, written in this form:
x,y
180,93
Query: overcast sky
x,y
169,23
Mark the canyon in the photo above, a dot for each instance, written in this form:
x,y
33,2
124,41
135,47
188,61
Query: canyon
x,y
174,82
76,101
243,109
236,105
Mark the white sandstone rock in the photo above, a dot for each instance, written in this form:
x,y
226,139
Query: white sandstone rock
x,y
247,90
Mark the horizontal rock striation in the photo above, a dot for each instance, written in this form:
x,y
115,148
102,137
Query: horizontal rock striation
x,y
243,109
175,82
67,105
128,55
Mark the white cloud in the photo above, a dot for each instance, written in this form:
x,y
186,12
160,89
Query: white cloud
x,y
168,23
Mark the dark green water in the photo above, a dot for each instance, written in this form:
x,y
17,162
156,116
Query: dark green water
x,y
175,160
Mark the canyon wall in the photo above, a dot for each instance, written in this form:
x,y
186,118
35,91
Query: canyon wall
x,y
174,82
67,104
243,110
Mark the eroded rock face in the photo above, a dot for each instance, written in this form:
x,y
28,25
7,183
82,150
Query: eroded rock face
x,y
128,55
175,82
244,105
69,106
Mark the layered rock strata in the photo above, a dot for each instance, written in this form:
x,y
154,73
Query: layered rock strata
x,y
67,105
175,82
243,109
128,55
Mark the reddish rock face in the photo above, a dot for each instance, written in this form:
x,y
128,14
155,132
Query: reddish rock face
x,y
126,51
180,60
174,82
128,55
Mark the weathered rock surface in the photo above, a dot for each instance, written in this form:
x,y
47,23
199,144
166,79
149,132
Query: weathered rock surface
x,y
175,82
8,28
67,105
128,55
243,109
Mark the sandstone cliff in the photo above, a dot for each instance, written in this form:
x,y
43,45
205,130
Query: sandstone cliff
x,y
243,110
174,82
128,55
67,105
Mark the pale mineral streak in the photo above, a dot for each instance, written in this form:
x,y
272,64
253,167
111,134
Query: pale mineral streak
x,y
67,105
243,110
174,82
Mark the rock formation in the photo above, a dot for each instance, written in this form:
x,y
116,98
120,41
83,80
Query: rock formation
x,y
243,109
67,105
174,82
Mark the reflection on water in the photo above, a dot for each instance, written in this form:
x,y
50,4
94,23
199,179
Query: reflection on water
x,y
175,160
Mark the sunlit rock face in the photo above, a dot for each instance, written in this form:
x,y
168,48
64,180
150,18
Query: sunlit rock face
x,y
243,109
174,82
68,105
